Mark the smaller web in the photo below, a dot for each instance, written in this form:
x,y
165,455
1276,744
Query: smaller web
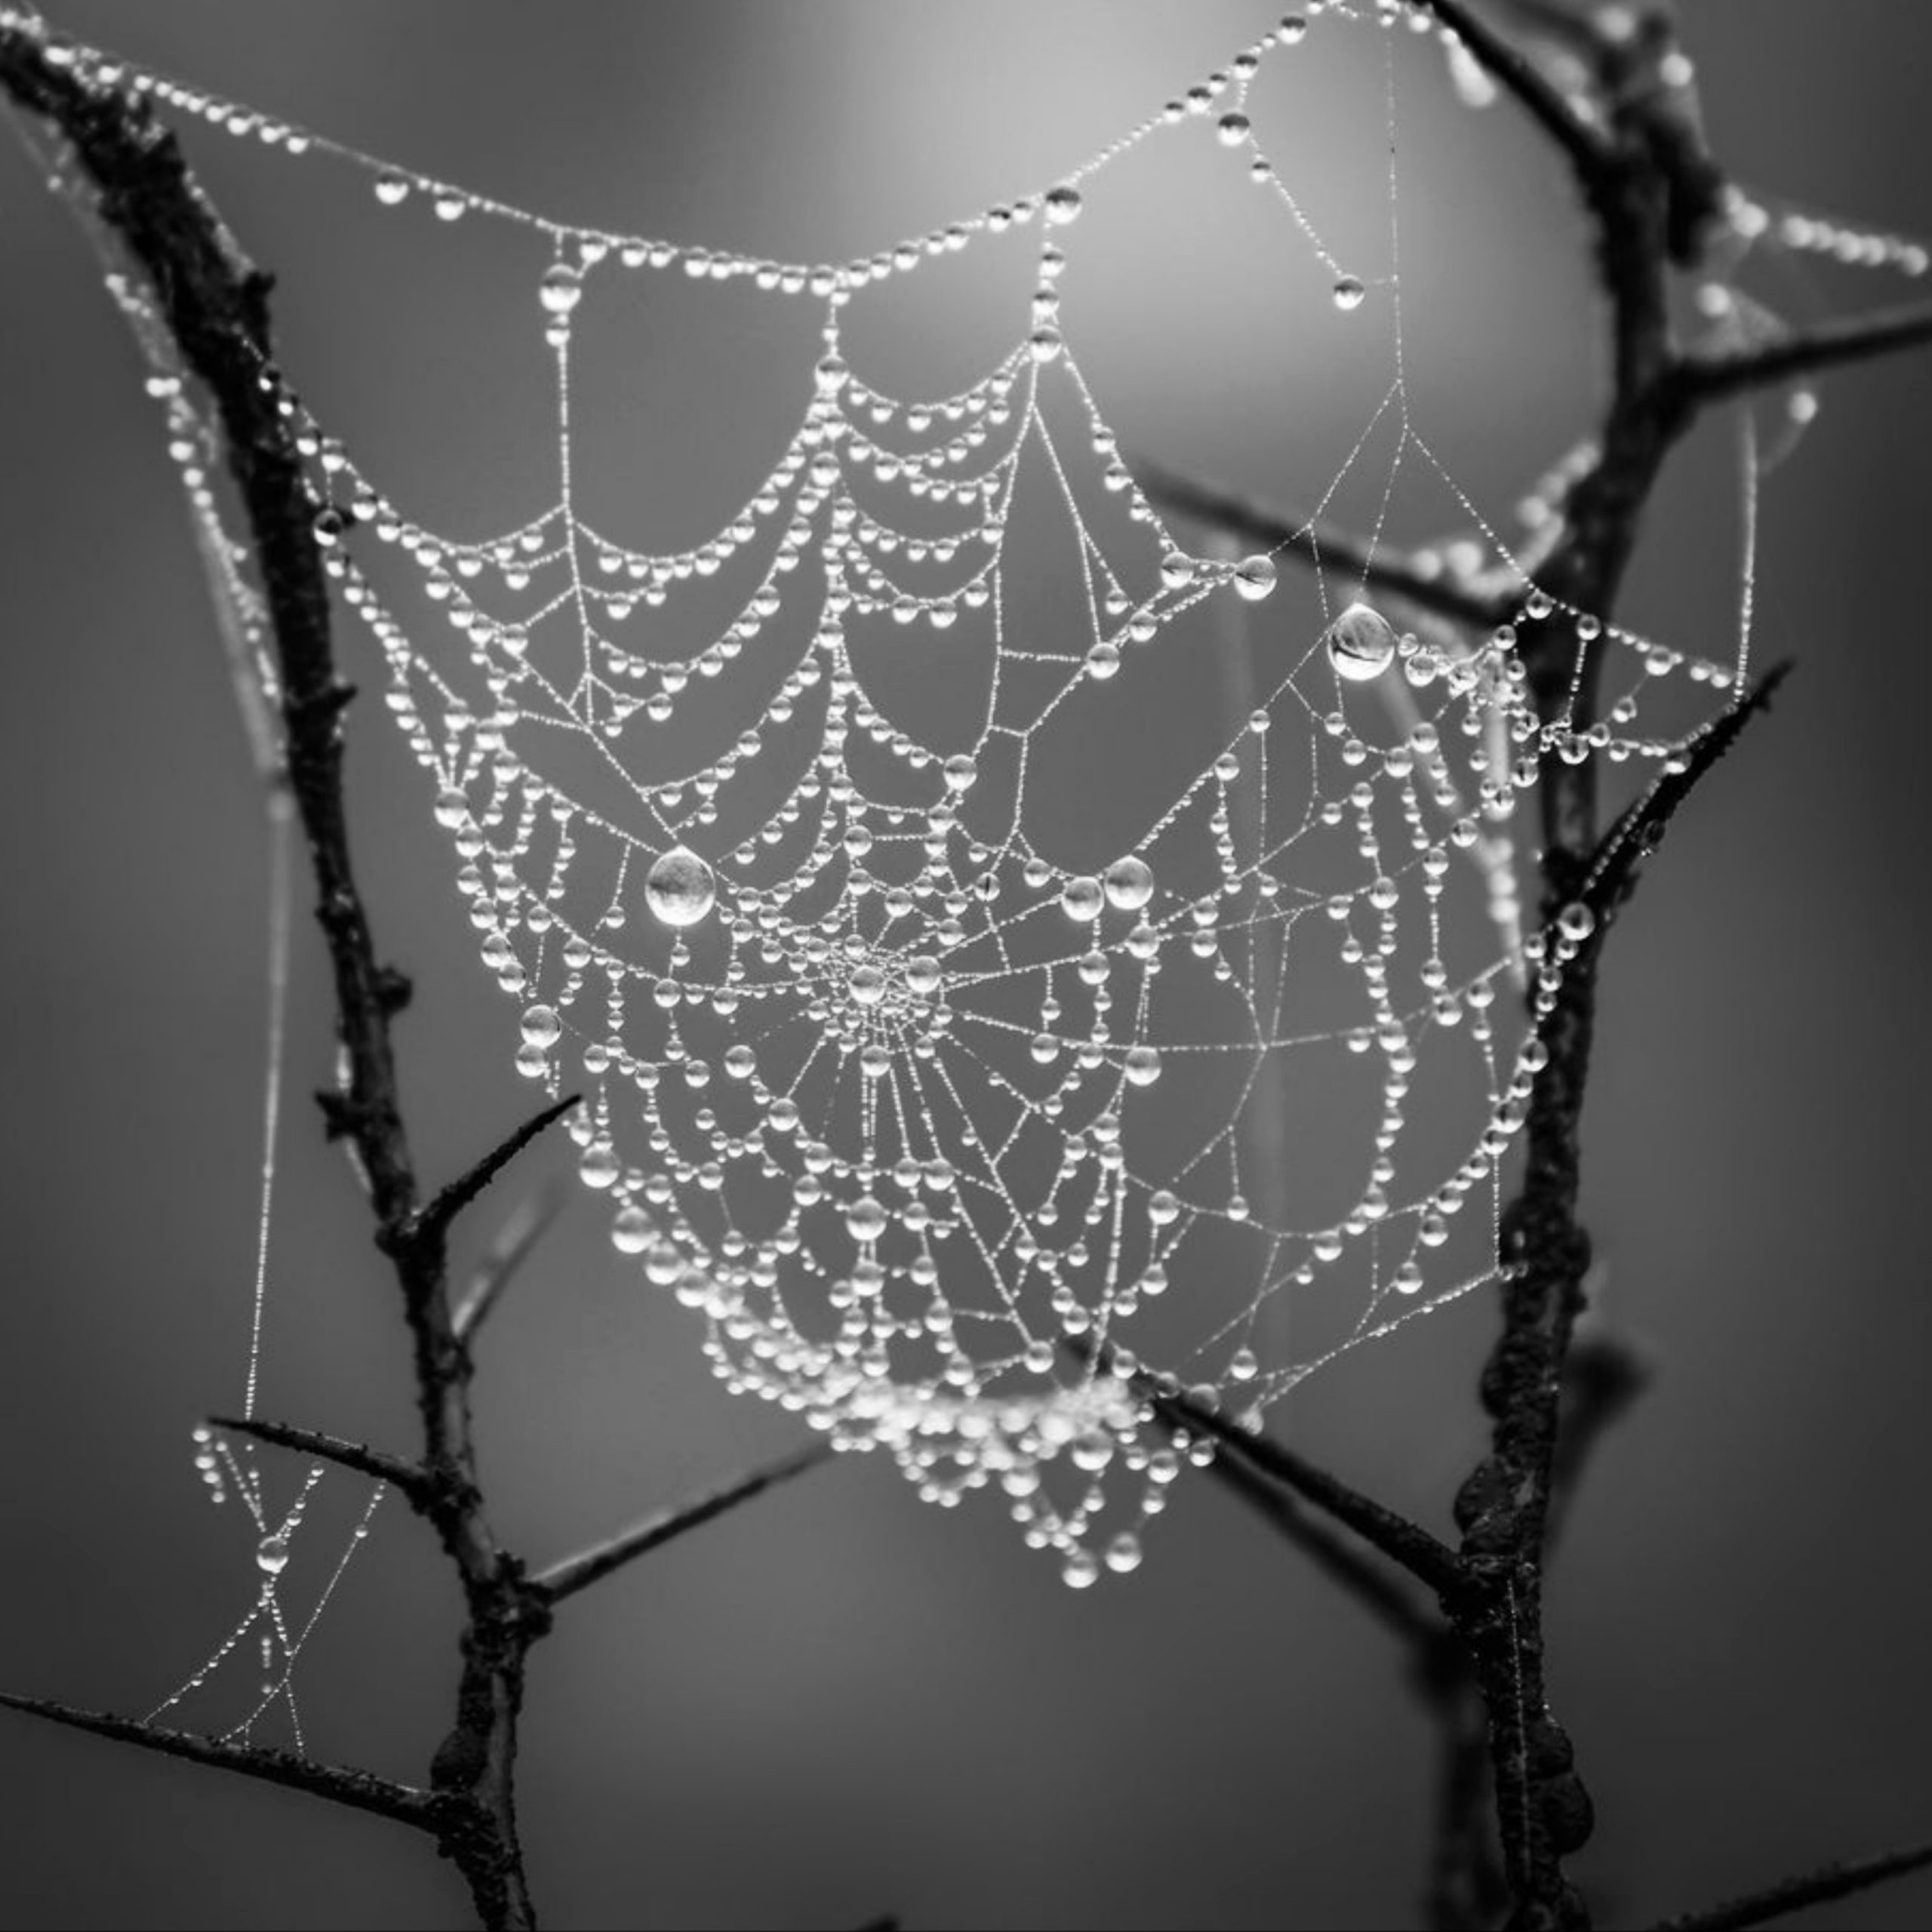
x,y
266,1634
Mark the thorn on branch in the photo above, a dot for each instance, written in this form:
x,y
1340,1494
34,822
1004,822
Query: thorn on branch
x,y
362,1791
1841,1880
578,1573
434,1218
1619,858
410,1478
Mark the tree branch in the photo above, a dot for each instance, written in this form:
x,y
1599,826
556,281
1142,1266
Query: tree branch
x,y
434,1218
408,1479
1839,1880
1512,70
362,1791
591,1566
1319,543
1714,375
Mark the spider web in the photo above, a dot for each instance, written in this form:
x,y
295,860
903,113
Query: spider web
x,y
941,1128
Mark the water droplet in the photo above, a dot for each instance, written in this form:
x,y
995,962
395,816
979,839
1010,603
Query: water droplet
x,y
1176,569
542,1029
1254,578
391,189
1576,922
600,1167
1102,659
1162,1208
1408,1279
1123,1553
867,985
632,1231
1129,883
680,887
1079,1570
831,374
452,808
1142,1066
1062,204
1350,292
1233,130
865,1219
272,1555
1361,644
1045,344
1082,898
960,771
561,288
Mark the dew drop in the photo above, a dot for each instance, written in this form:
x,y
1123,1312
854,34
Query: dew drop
x,y
631,1232
561,288
542,1029
1254,578
865,1219
1233,130
1102,659
1082,898
1576,922
922,974
1079,1570
272,1555
1361,644
1129,883
960,771
1350,292
1176,569
680,888
1142,1066
1123,1553
1062,204
391,190
867,985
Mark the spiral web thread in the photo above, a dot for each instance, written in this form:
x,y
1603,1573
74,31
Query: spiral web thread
x,y
940,1137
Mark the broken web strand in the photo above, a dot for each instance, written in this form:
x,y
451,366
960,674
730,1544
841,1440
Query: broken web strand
x,y
899,1046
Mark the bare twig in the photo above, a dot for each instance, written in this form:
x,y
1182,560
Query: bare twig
x,y
1713,375
362,1791
437,1213
1394,1606
578,1573
1406,1544
408,1478
1319,543
1589,154
1840,1880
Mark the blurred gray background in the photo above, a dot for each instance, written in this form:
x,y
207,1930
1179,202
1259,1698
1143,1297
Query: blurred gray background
x,y
838,1703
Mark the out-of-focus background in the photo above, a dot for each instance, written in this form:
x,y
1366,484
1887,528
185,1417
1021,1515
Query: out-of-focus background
x,y
837,1703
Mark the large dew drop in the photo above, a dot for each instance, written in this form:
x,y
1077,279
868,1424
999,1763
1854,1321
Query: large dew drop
x,y
1129,883
680,888
1361,644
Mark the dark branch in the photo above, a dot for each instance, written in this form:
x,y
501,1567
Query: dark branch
x,y
434,1220
1386,1600
408,1478
513,1247
362,1791
1640,831
1319,543
578,1573
1513,71
1712,375
1402,1542
1840,1880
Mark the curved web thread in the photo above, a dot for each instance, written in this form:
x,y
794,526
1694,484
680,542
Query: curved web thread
x,y
941,1134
